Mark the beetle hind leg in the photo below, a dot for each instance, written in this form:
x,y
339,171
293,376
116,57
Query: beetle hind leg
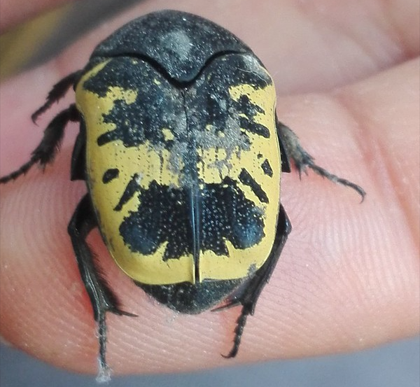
x,y
248,295
45,152
101,296
304,160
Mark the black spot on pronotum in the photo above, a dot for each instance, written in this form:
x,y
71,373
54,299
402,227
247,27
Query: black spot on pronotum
x,y
109,175
266,167
247,179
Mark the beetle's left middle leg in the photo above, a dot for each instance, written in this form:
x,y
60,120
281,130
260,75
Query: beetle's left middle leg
x,y
101,296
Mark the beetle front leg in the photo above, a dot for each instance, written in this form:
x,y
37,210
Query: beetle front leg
x,y
249,295
101,296
304,160
58,91
45,152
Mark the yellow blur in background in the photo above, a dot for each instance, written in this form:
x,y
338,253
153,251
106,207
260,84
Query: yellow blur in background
x,y
19,45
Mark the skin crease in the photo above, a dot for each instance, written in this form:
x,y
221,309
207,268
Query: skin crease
x,y
347,77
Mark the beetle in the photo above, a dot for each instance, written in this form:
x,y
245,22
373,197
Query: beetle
x,y
182,154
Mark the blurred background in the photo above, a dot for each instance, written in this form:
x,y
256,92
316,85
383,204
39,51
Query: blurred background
x,y
393,365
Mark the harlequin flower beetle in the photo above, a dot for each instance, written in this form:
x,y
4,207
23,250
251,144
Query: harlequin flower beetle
x,y
182,155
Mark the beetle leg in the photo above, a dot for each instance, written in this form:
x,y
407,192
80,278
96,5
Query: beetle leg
x,y
57,92
45,152
249,295
285,159
101,296
78,158
304,160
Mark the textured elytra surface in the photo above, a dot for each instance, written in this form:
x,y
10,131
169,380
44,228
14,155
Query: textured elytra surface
x,y
173,119
189,174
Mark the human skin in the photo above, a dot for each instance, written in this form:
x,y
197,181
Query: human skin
x,y
347,78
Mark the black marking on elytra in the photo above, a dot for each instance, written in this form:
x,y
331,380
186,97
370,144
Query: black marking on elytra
x,y
218,115
110,174
221,110
245,106
132,187
266,167
253,127
228,215
135,124
247,179
164,215
158,104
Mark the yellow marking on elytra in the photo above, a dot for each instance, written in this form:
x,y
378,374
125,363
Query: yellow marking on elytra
x,y
239,262
146,161
143,161
167,134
